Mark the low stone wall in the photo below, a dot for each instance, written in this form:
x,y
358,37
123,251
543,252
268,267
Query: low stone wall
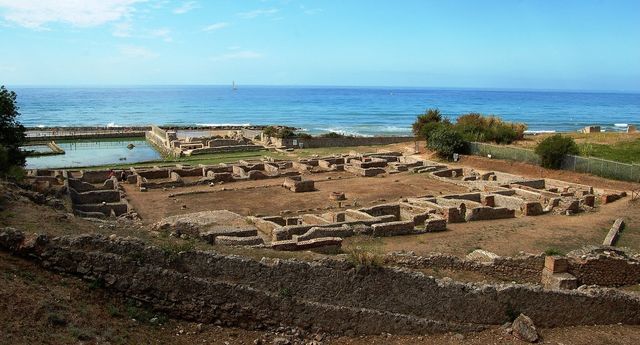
x,y
118,208
365,172
94,196
537,184
606,271
393,228
383,210
488,213
225,149
525,269
331,296
317,232
340,142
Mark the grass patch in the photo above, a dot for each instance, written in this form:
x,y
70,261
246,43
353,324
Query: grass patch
x,y
625,151
553,251
363,257
173,248
114,311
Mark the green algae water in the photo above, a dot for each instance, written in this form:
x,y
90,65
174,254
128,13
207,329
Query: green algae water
x,y
81,153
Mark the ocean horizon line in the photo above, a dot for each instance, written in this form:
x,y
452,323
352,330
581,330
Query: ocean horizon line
x,y
321,86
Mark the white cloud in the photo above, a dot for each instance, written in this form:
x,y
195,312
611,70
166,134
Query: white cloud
x,y
215,26
310,11
122,29
163,33
35,14
186,7
237,55
258,13
137,52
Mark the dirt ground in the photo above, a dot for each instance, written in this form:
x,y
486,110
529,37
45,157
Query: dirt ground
x,y
533,171
267,197
508,237
557,233
40,307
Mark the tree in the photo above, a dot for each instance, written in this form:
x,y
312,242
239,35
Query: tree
x,y
446,141
12,133
426,122
553,149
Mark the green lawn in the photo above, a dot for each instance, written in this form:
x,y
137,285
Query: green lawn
x,y
625,152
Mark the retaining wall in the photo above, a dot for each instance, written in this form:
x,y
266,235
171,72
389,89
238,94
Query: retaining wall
x,y
340,142
329,296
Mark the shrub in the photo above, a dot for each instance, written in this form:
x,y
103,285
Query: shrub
x,y
270,131
363,257
477,127
503,134
446,141
552,150
426,122
285,133
280,133
304,135
552,252
332,135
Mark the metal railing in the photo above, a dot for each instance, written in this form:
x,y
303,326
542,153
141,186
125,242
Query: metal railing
x,y
590,165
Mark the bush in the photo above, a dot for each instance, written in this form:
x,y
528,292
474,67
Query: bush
x,y
426,122
363,257
552,150
477,127
332,135
270,131
303,135
446,141
280,133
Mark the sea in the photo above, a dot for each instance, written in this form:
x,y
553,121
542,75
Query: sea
x,y
364,111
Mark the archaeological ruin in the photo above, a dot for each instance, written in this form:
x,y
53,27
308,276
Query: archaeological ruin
x,y
315,204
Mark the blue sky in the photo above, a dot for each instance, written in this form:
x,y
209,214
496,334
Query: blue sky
x,y
536,44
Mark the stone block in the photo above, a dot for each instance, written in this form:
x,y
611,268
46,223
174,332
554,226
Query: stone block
x,y
482,256
524,329
612,235
558,281
556,264
489,200
239,241
393,228
607,198
488,213
298,185
434,225
532,209
453,215
589,200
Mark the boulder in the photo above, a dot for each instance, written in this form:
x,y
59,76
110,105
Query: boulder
x,y
524,329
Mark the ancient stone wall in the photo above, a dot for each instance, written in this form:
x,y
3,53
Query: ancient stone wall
x,y
94,196
333,296
525,268
341,142
606,271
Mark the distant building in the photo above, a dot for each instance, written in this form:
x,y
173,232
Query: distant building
x,y
590,129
